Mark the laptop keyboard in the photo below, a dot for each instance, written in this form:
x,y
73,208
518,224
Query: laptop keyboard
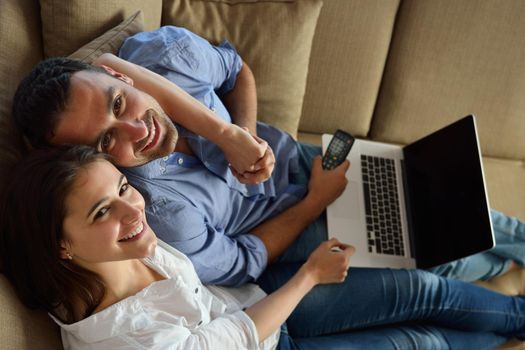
x,y
383,222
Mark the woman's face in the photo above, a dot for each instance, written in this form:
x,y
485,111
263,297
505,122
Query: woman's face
x,y
105,218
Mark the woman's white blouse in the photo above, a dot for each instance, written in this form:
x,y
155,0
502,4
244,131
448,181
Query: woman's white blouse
x,y
175,313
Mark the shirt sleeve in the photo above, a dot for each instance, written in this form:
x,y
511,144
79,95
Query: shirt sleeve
x,y
184,58
217,257
230,331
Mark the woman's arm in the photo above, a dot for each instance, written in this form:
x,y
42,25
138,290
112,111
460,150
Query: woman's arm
x,y
240,148
324,266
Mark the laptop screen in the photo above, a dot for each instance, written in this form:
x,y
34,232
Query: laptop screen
x,y
446,200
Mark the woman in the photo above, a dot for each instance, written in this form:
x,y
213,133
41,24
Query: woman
x,y
75,242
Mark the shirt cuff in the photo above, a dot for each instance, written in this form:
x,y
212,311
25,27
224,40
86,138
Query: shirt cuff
x,y
259,255
249,328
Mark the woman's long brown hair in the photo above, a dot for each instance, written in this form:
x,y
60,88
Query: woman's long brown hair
x,y
32,213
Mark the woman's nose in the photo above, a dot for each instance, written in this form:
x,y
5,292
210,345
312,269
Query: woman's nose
x,y
131,213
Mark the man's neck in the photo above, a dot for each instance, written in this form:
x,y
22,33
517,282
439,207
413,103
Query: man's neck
x,y
183,147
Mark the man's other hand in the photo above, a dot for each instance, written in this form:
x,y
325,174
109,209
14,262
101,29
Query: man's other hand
x,y
326,185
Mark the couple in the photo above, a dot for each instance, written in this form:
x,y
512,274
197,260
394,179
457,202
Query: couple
x,y
185,179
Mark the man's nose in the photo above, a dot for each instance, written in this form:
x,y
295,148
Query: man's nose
x,y
132,130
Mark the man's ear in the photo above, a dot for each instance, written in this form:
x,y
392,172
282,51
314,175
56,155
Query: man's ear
x,y
118,75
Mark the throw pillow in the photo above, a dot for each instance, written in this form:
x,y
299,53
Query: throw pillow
x,y
68,25
273,37
112,40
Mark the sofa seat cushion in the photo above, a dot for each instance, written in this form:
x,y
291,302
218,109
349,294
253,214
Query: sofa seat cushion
x,y
506,185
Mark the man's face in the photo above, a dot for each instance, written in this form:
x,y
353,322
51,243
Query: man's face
x,y
115,118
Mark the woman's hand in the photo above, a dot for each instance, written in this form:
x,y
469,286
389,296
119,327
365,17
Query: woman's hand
x,y
329,263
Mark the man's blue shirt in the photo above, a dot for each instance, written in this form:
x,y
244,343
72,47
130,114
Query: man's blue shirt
x,y
195,203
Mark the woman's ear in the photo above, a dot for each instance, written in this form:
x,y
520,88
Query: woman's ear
x,y
65,252
118,75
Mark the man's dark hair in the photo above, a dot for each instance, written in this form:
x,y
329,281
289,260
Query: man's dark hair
x,y
43,94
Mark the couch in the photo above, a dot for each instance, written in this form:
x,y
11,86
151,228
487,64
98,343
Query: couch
x,y
386,70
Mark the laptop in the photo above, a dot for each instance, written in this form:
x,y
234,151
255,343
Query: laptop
x,y
419,205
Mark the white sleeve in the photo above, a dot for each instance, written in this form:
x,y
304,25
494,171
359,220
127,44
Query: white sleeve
x,y
233,331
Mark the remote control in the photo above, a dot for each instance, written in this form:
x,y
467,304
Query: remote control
x,y
338,149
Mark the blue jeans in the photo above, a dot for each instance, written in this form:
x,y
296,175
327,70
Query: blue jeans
x,y
373,309
509,234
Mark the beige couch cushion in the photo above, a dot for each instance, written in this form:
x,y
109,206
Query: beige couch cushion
x,y
452,58
21,49
506,185
21,328
112,40
273,37
67,25
346,65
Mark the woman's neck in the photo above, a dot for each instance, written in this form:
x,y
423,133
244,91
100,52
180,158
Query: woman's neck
x,y
124,279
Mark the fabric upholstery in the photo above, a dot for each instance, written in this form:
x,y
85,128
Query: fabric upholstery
x,y
506,185
278,59
21,49
453,58
68,25
349,51
112,40
21,328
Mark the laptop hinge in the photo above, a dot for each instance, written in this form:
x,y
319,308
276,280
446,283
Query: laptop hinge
x,y
408,209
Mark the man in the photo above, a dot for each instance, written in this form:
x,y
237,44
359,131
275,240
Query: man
x,y
228,222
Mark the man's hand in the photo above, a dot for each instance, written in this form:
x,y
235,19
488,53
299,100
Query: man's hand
x,y
262,169
329,262
326,185
251,159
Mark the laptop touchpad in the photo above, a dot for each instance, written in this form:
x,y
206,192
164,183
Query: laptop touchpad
x,y
347,205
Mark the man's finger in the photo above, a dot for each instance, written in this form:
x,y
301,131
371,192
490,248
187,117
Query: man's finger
x,y
266,161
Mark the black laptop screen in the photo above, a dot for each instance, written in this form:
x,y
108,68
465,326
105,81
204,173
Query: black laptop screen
x,y
447,205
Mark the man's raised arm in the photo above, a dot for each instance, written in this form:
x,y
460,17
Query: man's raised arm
x,y
241,149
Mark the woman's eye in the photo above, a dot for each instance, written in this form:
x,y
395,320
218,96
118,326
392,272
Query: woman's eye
x,y
101,213
124,188
117,105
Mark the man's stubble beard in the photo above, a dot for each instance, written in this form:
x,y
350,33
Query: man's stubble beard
x,y
167,144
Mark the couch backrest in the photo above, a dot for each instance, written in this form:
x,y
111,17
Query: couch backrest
x,y
349,52
451,58
397,70
20,35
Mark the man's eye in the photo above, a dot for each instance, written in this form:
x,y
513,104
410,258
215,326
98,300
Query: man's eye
x,y
124,188
101,213
106,141
117,105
